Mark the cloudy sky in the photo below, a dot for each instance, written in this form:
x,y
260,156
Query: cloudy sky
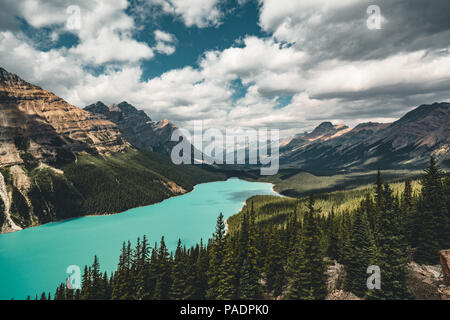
x,y
287,64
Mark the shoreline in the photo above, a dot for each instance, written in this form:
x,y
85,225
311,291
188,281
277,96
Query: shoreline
x,y
141,206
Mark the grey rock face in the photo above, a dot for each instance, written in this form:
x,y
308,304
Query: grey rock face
x,y
137,127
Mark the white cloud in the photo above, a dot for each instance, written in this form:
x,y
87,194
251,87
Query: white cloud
x,y
276,14
337,89
421,68
105,34
198,13
165,42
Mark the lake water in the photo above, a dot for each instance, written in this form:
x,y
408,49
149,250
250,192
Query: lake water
x,y
36,259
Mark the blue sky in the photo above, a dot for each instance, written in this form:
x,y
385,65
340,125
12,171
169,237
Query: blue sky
x,y
193,42
286,64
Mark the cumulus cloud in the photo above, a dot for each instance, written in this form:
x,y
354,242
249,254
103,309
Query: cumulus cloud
x,y
198,13
318,54
165,42
104,30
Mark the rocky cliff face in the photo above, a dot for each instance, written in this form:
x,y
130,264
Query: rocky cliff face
x,y
406,143
428,282
59,162
445,263
137,127
36,125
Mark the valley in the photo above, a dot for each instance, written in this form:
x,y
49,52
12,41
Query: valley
x,y
88,180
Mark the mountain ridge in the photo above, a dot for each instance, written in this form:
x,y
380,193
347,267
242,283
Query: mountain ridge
x,y
137,127
405,143
58,161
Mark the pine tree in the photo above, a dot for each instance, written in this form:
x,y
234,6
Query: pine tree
x,y
142,270
202,265
362,254
163,281
216,258
333,236
433,226
273,268
300,287
86,284
97,290
250,287
391,252
122,289
228,280
309,260
178,287
344,239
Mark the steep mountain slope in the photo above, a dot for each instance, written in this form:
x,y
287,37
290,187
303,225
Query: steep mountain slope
x,y
58,161
137,127
324,132
36,125
406,143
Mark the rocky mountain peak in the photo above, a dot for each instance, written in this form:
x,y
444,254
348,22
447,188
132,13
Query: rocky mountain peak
x,y
5,77
125,107
99,107
137,127
326,129
423,111
36,125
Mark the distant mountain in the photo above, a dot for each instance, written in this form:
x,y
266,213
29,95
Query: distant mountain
x,y
406,143
58,161
137,127
325,131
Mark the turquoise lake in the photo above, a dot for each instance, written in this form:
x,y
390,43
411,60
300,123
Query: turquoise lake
x,y
35,259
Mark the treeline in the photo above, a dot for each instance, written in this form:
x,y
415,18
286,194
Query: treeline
x,y
289,259
99,185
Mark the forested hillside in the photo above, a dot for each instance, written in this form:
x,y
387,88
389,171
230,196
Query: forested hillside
x,y
95,184
281,247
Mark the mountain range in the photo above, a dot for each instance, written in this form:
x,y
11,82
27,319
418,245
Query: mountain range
x,y
137,127
404,144
58,161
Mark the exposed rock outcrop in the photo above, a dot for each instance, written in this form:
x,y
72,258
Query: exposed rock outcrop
x,y
426,282
407,143
445,264
7,225
55,159
137,127
36,125
335,284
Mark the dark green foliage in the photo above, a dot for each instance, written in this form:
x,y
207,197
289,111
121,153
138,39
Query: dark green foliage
x,y
215,272
433,231
228,281
277,248
53,197
133,179
391,250
99,185
163,279
19,210
361,256
274,267
308,266
178,287
250,287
